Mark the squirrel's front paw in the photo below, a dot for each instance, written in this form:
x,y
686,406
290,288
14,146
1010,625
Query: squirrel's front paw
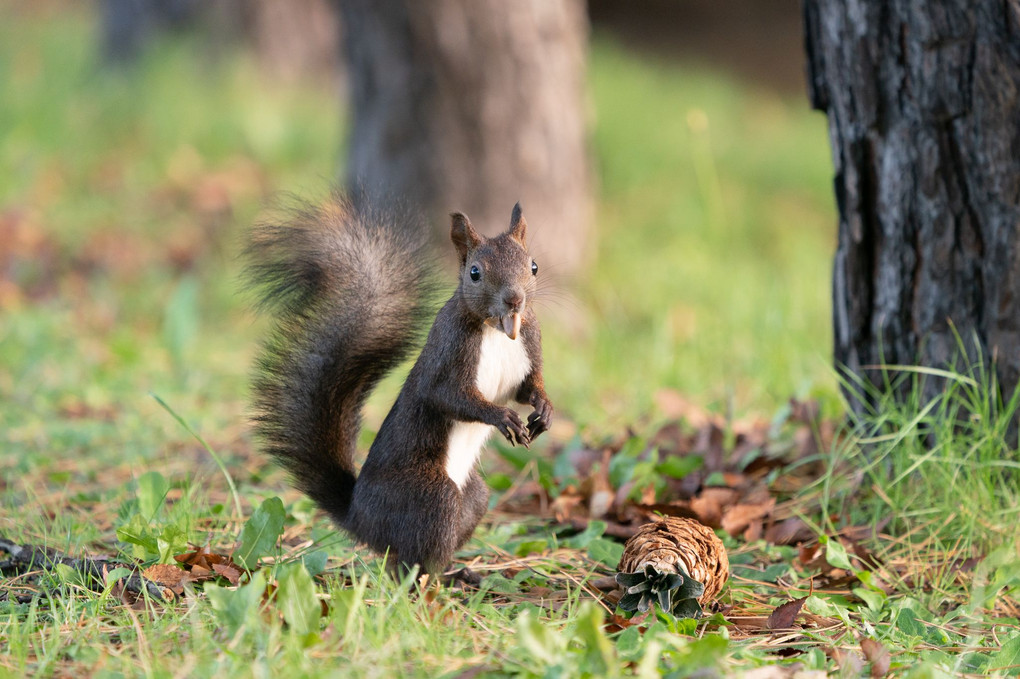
x,y
539,420
512,427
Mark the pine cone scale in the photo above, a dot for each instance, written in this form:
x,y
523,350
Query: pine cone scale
x,y
678,545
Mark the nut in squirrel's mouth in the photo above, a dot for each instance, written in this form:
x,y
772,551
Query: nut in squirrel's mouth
x,y
509,324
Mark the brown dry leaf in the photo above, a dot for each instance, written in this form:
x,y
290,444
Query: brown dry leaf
x,y
785,615
617,623
597,489
200,574
709,443
231,572
762,465
748,624
878,655
813,556
29,258
168,576
805,412
866,556
865,532
614,529
564,506
203,558
789,532
708,510
674,406
721,495
670,439
783,672
605,583
74,408
737,518
851,663
754,531
652,511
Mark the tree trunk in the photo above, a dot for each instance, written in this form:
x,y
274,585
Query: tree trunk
x,y
472,105
923,101
295,39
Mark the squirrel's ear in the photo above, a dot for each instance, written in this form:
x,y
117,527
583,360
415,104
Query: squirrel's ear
x,y
518,226
464,236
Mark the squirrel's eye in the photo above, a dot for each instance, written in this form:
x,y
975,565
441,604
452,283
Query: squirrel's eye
x,y
475,273
534,268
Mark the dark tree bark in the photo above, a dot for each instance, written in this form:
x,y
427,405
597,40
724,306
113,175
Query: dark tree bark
x,y
923,100
472,105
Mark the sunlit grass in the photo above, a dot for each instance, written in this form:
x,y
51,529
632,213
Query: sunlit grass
x,y
714,217
933,455
716,231
130,191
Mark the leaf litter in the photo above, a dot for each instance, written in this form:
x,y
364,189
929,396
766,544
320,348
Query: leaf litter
x,y
740,477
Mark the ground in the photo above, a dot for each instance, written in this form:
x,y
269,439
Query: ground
x,y
689,365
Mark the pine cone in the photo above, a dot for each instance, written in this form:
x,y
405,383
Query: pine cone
x,y
667,561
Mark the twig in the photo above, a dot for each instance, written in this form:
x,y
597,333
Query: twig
x,y
28,557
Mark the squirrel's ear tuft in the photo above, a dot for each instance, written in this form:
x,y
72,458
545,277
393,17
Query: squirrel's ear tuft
x,y
518,226
463,235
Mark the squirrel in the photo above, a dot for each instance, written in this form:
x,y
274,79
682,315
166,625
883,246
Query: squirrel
x,y
350,288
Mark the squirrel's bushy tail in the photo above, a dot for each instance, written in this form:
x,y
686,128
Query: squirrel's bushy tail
x,y
351,292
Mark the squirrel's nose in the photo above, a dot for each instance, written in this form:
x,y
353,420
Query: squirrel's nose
x,y
514,300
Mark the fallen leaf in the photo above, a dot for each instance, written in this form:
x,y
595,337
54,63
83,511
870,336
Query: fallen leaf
x,y
724,497
878,655
681,509
783,672
866,556
598,490
676,407
203,558
748,623
805,412
708,510
737,518
613,528
789,532
605,583
785,615
754,531
812,556
851,663
616,623
167,575
563,506
231,572
709,444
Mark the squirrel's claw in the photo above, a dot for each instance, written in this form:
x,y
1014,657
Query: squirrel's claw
x,y
515,431
539,420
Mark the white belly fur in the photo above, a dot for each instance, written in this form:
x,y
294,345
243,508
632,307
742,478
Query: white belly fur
x,y
503,364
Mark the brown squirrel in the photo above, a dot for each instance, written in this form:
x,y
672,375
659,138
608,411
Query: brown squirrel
x,y
349,288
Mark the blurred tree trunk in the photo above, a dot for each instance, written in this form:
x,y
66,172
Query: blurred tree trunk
x,y
472,105
295,39
923,101
129,25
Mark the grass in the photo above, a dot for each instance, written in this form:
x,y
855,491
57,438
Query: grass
x,y
124,197
921,448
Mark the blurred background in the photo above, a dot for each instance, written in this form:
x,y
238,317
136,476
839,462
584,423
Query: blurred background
x,y
671,170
